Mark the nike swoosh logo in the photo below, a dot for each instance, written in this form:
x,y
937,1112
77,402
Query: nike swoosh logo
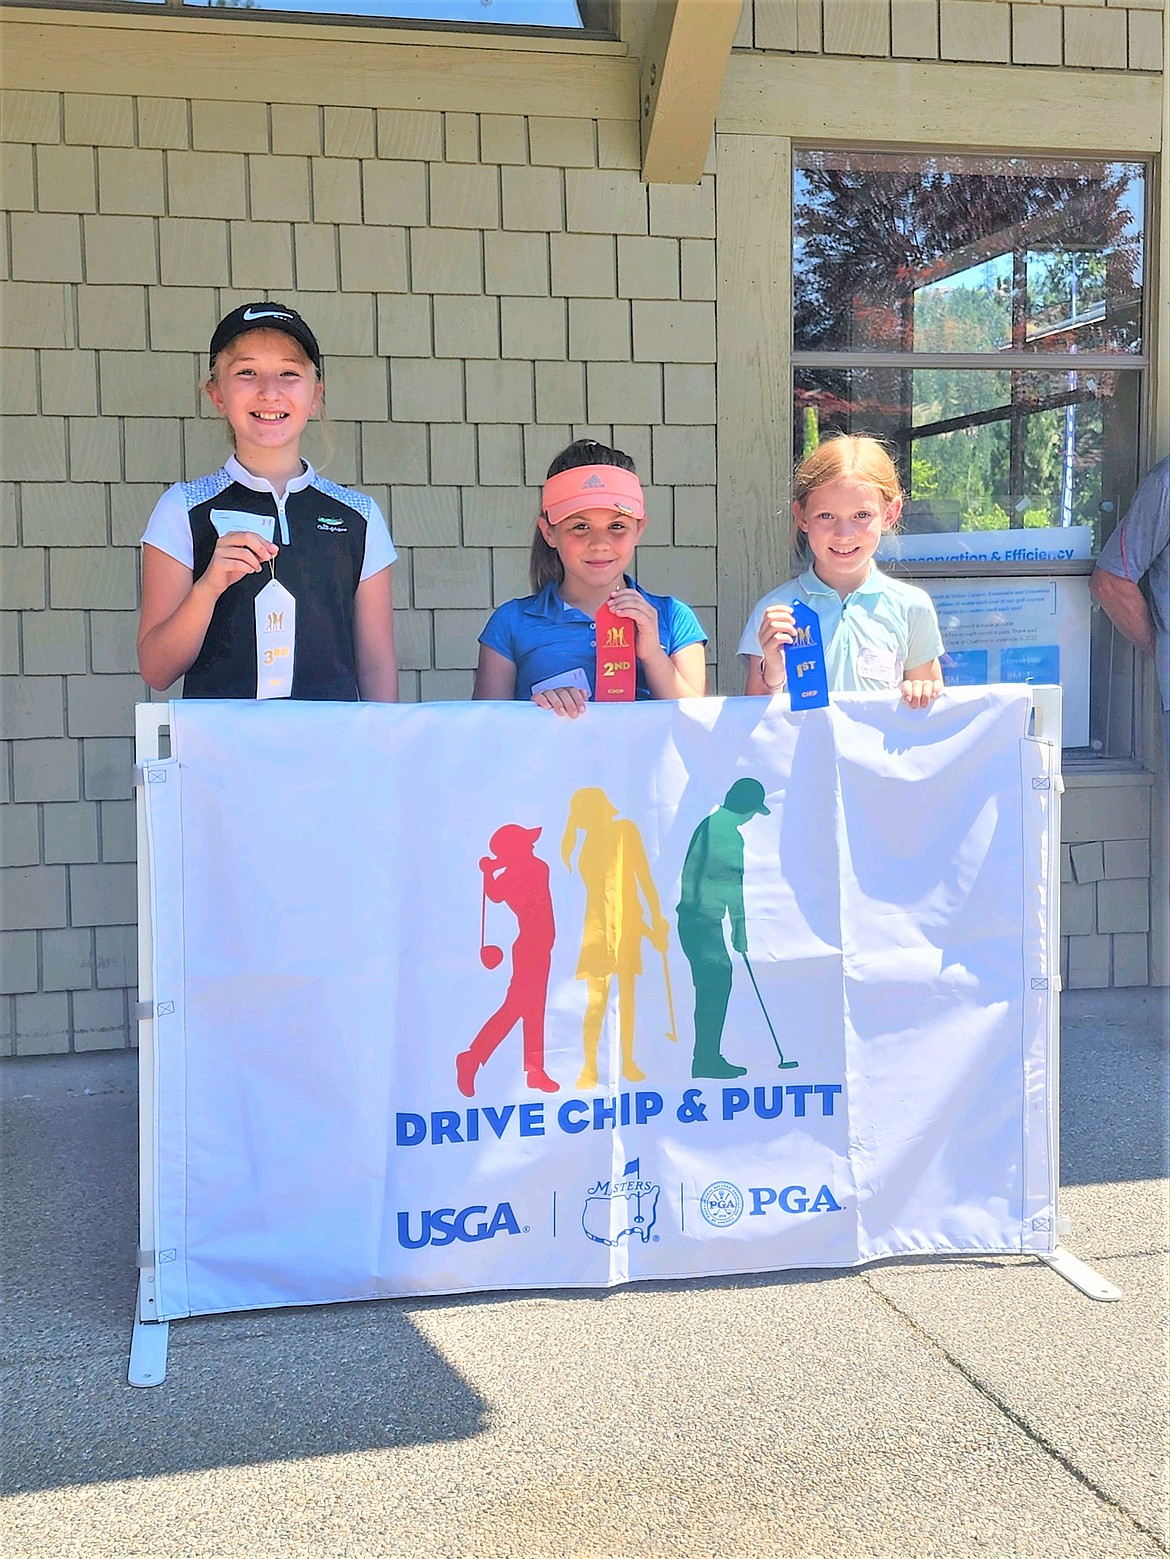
x,y
266,314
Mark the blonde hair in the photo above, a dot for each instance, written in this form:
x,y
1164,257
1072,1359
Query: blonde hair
x,y
857,457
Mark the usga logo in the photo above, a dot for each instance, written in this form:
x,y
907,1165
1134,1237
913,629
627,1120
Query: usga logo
x,y
445,1225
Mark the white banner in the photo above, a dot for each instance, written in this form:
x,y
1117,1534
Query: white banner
x,y
464,996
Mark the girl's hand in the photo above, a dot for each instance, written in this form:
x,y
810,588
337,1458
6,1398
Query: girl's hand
x,y
918,693
629,603
922,684
568,701
237,554
777,628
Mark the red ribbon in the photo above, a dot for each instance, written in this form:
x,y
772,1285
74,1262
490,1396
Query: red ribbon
x,y
617,666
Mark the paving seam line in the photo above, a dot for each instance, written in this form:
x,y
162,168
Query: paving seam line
x,y
1046,1445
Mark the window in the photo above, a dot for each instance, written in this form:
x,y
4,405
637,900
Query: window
x,y
983,315
596,17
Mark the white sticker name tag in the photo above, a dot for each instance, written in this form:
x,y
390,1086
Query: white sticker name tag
x,y
276,638
574,678
228,520
879,666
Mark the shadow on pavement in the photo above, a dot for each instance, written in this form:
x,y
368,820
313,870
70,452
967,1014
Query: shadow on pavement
x,y
286,1384
263,1386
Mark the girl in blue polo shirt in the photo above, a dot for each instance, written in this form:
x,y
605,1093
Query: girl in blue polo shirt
x,y
877,632
543,646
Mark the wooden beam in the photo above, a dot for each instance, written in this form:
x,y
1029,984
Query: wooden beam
x,y
941,104
753,380
203,56
687,50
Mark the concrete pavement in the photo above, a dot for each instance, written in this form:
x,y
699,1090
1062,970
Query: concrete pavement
x,y
911,1409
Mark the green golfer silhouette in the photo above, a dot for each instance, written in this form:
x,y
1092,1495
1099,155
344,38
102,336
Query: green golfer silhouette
x,y
712,889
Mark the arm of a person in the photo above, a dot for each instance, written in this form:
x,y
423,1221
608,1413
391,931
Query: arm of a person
x,y
921,685
373,639
495,676
177,608
493,872
735,911
755,686
1125,606
681,675
767,673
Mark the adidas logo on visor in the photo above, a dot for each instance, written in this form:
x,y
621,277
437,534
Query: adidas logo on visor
x,y
593,481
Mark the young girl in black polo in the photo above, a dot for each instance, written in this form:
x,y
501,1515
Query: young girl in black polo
x,y
264,579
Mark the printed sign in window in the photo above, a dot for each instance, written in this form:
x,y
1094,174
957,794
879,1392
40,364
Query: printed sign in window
x,y
1019,630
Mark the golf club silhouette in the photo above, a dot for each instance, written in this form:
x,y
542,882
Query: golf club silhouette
x,y
490,956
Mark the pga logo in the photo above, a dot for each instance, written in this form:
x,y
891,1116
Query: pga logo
x,y
722,1203
444,1226
792,1199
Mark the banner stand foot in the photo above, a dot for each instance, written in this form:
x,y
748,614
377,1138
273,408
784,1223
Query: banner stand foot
x,y
148,1348
1081,1276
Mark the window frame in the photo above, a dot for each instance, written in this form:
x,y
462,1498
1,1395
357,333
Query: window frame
x,y
600,18
1115,671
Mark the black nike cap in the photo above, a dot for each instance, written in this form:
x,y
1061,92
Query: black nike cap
x,y
263,316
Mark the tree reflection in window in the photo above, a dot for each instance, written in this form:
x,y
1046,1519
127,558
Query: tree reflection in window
x,y
1053,251
998,259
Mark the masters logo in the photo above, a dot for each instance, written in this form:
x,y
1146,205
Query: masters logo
x,y
721,1204
617,1209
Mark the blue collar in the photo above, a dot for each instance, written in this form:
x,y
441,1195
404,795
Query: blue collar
x,y
548,605
812,584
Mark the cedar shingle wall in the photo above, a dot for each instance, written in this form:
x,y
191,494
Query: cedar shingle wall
x,y
1087,34
485,287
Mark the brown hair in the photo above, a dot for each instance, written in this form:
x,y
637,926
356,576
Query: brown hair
x,y
544,562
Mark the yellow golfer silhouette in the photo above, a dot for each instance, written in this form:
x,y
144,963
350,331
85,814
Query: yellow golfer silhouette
x,y
615,871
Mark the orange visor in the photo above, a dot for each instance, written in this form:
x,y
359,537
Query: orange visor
x,y
592,487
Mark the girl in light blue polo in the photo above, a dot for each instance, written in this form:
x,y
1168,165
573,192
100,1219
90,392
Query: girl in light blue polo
x,y
878,632
543,646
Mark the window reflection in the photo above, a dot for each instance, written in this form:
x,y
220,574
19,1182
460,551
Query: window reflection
x,y
966,254
978,450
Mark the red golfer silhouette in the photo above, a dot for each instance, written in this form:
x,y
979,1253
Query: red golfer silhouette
x,y
514,876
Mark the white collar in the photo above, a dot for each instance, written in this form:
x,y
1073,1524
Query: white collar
x,y
261,484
